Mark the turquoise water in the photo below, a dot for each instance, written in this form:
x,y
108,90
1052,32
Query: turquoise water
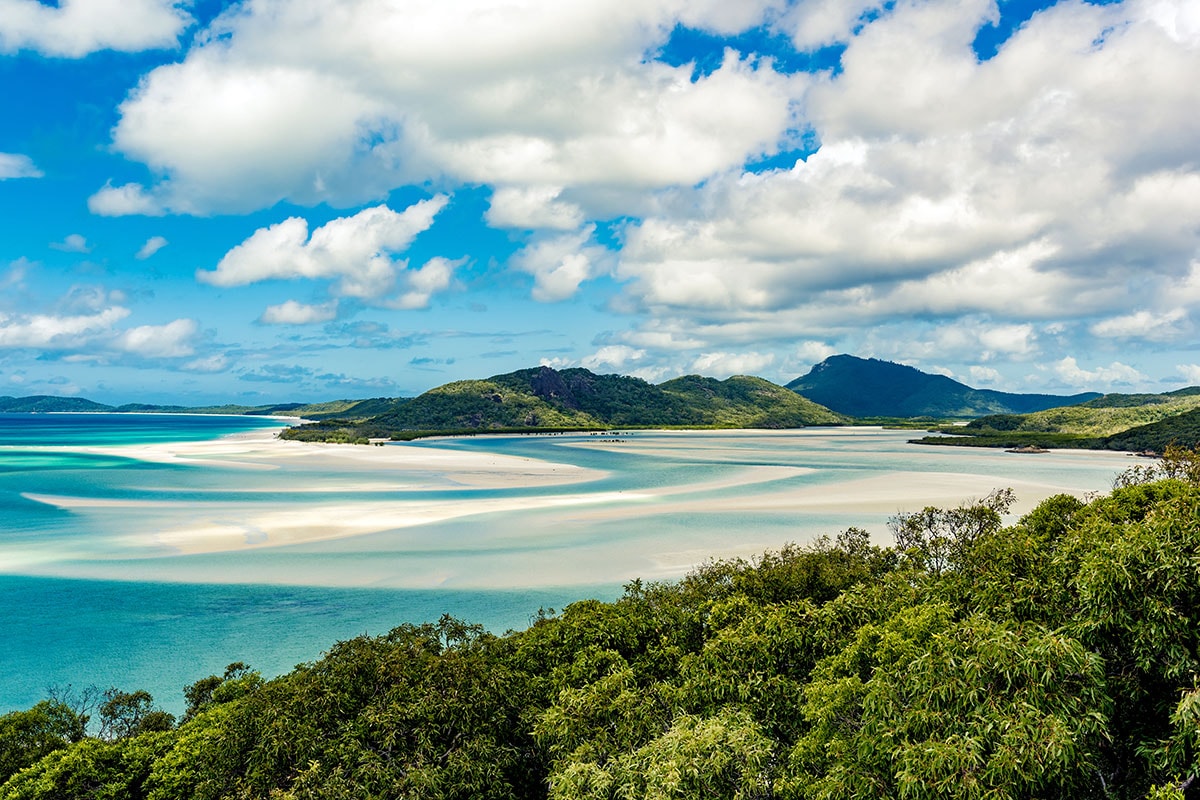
x,y
121,566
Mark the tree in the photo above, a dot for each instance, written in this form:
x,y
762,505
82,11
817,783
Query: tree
x,y
27,736
939,539
127,714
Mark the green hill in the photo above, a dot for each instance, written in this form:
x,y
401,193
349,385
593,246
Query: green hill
x,y
542,398
45,404
1111,422
868,387
746,402
1104,416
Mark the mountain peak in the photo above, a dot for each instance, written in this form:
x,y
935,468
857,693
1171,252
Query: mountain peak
x,y
870,387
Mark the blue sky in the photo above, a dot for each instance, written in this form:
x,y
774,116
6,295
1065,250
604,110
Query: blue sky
x,y
301,200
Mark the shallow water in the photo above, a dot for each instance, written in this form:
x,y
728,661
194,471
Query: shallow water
x,y
105,583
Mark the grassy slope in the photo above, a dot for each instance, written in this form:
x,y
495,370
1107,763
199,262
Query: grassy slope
x,y
1111,422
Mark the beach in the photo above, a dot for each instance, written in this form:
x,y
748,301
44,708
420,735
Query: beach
x,y
517,511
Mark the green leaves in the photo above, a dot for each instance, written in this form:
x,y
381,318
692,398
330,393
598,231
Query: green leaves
x,y
923,706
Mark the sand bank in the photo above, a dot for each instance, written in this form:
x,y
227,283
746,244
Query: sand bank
x,y
263,450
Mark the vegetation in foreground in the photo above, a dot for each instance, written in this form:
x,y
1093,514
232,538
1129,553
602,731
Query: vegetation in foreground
x,y
1054,658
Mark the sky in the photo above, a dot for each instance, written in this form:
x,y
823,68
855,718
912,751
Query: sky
x,y
302,200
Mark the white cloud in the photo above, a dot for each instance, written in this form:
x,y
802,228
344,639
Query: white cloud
x,y
294,313
1190,372
818,23
1116,373
217,362
57,332
126,200
75,28
152,246
423,283
722,365
172,340
74,243
14,165
308,101
357,251
613,357
532,207
1147,325
983,375
561,263
1056,182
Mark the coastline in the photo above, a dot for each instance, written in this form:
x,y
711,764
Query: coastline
x,y
411,516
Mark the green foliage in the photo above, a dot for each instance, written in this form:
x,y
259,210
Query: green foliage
x,y
1053,658
923,706
126,714
92,769
27,736
544,399
936,540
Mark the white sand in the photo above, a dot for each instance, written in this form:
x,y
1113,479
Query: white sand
x,y
263,450
557,543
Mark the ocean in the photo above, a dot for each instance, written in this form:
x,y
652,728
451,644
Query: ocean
x,y
148,551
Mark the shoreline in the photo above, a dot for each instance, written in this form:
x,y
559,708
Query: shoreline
x,y
461,517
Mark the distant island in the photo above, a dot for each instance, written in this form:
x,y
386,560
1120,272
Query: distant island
x,y
868,387
841,390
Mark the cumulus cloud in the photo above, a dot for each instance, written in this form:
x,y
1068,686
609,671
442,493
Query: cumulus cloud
x,y
294,313
172,340
74,243
152,246
1190,373
818,23
532,207
560,264
369,95
217,362
424,282
357,251
125,200
14,165
1115,374
1055,182
75,28
983,375
1146,325
57,332
722,365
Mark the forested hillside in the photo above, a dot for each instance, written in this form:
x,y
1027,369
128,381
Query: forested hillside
x,y
578,399
1137,422
1054,658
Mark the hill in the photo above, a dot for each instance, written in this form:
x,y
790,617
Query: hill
x,y
1137,422
868,387
545,399
343,409
40,404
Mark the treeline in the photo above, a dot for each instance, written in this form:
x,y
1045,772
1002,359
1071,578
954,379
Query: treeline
x,y
1054,658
